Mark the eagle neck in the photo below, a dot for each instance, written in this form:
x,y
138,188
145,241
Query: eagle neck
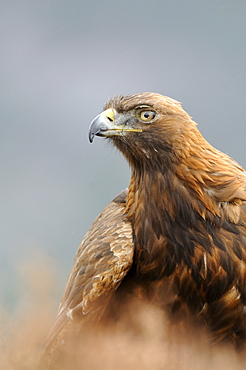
x,y
158,195
159,213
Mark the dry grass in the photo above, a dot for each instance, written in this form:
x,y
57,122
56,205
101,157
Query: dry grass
x,y
24,328
151,346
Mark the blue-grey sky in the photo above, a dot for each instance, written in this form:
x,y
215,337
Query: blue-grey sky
x,y
59,62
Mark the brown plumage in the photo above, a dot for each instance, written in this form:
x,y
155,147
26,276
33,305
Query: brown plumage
x,y
177,238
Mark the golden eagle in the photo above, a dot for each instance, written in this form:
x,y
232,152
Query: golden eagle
x,y
176,237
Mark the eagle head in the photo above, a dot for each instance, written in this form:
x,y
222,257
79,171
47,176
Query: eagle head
x,y
145,127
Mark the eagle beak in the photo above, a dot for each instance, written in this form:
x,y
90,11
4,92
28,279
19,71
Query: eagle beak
x,y
105,124
102,124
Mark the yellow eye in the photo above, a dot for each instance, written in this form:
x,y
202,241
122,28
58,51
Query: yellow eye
x,y
146,115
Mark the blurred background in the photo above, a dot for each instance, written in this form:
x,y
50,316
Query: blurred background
x,y
60,61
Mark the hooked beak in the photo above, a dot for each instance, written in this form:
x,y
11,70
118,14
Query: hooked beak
x,y
105,124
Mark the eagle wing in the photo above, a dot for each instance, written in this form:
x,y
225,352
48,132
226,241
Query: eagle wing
x,y
102,261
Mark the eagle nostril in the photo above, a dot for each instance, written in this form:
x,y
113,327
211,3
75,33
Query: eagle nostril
x,y
110,119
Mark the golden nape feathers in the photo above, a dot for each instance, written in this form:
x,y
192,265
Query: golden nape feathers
x,y
176,239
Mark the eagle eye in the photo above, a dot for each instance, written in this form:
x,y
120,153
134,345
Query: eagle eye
x,y
146,115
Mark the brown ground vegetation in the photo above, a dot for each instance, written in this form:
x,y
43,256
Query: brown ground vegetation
x,y
148,344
